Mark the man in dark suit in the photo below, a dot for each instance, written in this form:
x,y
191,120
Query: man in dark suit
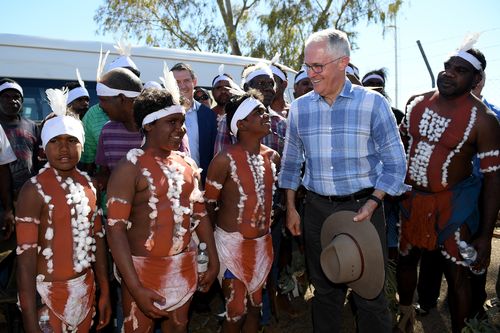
x,y
201,122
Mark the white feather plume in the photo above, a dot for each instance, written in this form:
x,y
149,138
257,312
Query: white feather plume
x,y
170,84
221,69
57,100
123,47
276,58
101,64
469,41
79,78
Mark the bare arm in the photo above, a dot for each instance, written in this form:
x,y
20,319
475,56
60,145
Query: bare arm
x,y
205,233
217,172
6,198
292,216
101,272
27,238
488,141
122,185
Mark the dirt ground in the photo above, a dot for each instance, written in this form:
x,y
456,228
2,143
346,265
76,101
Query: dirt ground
x,y
437,321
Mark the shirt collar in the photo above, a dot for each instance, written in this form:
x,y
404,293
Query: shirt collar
x,y
194,107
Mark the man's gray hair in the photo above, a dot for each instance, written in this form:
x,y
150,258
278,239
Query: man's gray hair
x,y
337,42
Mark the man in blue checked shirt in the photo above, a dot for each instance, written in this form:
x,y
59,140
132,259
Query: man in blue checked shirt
x,y
348,139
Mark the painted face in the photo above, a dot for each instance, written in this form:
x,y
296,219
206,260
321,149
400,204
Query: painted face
x,y
63,152
11,102
457,78
266,86
80,106
258,121
167,132
221,92
326,70
302,87
186,83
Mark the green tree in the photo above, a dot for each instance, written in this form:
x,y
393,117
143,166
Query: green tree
x,y
256,28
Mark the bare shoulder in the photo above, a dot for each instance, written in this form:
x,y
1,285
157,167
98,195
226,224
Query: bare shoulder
x,y
221,159
124,172
417,97
273,155
29,199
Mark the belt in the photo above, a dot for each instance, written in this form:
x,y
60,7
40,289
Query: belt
x,y
351,197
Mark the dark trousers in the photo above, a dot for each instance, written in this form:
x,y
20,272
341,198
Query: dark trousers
x,y
429,278
328,301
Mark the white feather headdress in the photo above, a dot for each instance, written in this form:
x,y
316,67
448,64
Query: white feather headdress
x,y
170,84
123,47
467,44
101,64
276,58
57,100
79,78
469,41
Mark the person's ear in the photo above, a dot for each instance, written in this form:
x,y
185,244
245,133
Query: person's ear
x,y
146,128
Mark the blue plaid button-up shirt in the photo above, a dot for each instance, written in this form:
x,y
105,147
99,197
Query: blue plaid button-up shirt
x,y
351,145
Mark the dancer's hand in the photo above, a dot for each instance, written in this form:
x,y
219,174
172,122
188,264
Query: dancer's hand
x,y
104,311
206,279
483,248
293,221
145,299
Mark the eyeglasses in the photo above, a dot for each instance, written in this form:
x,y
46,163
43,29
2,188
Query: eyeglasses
x,y
318,68
203,97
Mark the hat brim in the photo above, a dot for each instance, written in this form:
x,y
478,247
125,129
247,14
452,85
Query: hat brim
x,y
372,279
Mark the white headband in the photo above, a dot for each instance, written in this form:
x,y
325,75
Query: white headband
x,y
261,71
373,76
162,113
352,71
219,78
121,62
469,58
278,72
104,90
301,76
11,85
62,125
152,84
245,108
77,93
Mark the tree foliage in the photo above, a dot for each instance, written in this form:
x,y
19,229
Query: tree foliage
x,y
256,28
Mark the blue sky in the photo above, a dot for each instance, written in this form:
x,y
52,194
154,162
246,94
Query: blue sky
x,y
440,25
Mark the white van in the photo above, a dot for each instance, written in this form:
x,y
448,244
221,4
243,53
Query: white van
x,y
39,63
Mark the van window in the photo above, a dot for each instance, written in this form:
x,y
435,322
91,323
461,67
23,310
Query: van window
x,y
35,106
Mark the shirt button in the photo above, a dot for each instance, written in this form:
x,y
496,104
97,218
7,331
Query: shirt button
x,y
331,128
331,167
